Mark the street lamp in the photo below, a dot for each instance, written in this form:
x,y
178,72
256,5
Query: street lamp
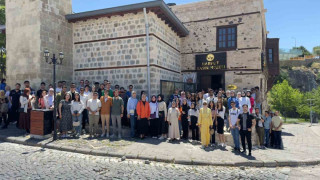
x,y
55,62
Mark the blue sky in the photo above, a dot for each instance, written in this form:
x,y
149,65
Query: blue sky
x,y
288,20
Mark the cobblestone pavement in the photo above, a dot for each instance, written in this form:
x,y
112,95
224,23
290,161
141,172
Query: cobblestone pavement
x,y
301,144
25,162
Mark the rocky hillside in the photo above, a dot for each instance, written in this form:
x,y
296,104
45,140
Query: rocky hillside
x,y
303,75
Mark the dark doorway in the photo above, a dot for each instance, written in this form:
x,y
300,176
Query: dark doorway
x,y
213,81
216,82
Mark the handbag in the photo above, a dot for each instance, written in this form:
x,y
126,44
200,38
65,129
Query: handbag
x,y
4,108
211,131
76,122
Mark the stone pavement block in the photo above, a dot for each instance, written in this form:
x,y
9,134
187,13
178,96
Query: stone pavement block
x,y
68,148
53,146
83,151
269,163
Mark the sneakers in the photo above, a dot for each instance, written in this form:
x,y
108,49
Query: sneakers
x,y
119,136
112,136
108,135
161,138
154,137
103,135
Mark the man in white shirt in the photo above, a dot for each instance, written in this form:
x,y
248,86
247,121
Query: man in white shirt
x,y
93,106
244,100
211,96
233,117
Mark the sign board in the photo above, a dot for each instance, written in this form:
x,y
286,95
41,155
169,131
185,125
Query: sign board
x,y
211,61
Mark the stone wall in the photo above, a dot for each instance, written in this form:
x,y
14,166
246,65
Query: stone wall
x,y
56,36
202,37
115,49
31,27
23,41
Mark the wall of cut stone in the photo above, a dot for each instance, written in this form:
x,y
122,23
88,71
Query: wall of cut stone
x,y
31,27
56,36
120,42
22,41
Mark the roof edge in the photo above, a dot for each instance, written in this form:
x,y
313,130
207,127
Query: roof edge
x,y
127,8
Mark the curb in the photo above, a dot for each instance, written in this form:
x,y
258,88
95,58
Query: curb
x,y
253,163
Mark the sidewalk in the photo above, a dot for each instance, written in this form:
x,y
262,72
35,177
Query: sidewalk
x,y
301,147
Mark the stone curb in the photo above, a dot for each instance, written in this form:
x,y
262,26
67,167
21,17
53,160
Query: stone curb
x,y
254,163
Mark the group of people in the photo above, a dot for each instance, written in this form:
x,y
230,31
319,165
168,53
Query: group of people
x,y
201,114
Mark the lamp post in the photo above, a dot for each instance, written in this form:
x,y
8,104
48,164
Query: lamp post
x,y
55,62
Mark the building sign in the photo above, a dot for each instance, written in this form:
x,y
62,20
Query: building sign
x,y
212,61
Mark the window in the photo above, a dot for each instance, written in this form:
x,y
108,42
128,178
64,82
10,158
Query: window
x,y
227,38
270,56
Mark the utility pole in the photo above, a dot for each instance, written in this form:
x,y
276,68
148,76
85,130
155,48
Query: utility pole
x,y
311,114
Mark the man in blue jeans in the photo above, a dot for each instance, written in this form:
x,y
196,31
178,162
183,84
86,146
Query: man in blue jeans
x,y
267,124
233,117
131,108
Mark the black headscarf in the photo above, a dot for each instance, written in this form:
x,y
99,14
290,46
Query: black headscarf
x,y
152,98
162,97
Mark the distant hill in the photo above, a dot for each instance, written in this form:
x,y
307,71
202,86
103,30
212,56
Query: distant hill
x,y
303,75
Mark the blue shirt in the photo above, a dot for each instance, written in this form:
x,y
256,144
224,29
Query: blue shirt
x,y
234,99
128,93
3,87
132,104
267,121
50,100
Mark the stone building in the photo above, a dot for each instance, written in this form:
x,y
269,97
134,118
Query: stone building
x,y
213,43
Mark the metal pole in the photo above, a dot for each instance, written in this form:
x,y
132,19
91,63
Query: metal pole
x,y
148,51
54,61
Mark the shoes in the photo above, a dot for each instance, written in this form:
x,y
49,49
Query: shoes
x,y
154,137
108,135
112,136
243,151
103,135
249,154
161,138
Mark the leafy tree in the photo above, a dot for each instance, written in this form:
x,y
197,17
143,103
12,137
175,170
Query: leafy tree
x,y
304,50
284,98
304,108
316,50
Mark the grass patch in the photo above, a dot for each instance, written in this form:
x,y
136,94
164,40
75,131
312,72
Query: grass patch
x,y
294,120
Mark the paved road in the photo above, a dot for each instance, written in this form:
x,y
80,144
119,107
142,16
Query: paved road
x,y
25,162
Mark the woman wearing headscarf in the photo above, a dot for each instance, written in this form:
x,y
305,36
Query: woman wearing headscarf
x,y
205,122
163,123
154,117
4,108
65,115
193,114
173,118
25,110
143,111
251,100
184,119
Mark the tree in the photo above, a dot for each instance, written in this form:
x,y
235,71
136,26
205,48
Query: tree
x,y
284,98
316,50
304,50
2,37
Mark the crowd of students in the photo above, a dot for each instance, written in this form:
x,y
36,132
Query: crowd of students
x,y
202,114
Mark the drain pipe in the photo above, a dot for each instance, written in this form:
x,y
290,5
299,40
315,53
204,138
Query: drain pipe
x,y
148,51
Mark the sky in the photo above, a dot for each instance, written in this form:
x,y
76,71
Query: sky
x,y
293,21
